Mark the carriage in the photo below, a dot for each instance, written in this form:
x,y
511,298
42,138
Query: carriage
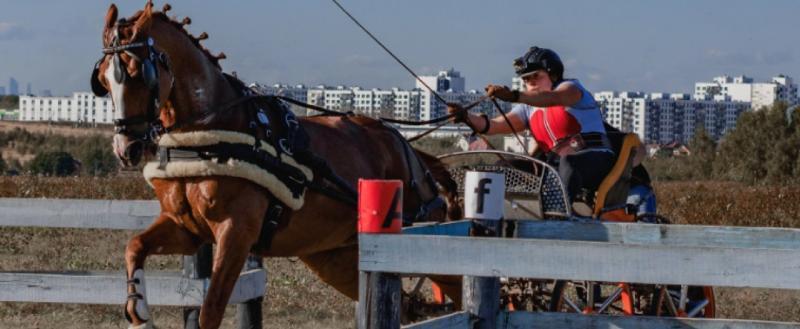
x,y
534,191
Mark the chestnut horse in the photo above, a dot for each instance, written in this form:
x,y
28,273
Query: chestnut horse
x,y
161,79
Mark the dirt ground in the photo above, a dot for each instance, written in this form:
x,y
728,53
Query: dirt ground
x,y
295,298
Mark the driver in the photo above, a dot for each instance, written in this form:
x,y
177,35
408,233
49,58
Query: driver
x,y
563,118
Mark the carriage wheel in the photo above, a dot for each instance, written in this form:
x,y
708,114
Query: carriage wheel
x,y
421,299
532,295
683,301
589,297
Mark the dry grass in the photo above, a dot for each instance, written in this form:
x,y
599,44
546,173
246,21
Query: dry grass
x,y
63,129
297,299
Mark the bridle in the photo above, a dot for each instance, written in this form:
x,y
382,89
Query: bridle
x,y
150,76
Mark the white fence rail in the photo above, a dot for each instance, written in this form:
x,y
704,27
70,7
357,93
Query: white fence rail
x,y
609,252
163,288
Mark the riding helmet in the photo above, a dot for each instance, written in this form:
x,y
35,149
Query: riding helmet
x,y
539,58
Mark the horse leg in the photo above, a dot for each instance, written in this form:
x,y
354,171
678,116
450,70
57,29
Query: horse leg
x,y
233,247
337,267
164,236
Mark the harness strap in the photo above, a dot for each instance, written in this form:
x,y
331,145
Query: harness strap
x,y
293,178
272,219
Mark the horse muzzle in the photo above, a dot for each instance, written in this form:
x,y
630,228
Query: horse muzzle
x,y
129,152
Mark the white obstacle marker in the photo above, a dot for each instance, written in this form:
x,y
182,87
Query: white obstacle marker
x,y
484,193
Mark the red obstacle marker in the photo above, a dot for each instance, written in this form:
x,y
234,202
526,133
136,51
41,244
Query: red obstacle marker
x,y
380,206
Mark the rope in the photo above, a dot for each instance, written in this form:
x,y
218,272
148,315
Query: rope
x,y
514,130
464,109
389,51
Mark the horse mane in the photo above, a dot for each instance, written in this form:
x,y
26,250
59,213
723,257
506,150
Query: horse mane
x,y
181,26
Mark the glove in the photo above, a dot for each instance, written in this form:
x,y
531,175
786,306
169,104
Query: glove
x,y
502,93
458,110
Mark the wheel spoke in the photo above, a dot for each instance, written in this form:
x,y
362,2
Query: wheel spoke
x,y
684,298
670,303
572,304
696,310
610,300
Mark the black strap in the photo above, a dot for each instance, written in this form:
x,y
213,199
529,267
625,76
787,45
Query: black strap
x,y
270,224
292,177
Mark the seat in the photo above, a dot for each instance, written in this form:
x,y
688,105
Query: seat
x,y
612,194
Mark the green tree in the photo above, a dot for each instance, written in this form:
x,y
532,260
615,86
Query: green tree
x,y
704,150
762,148
9,102
741,155
96,156
56,163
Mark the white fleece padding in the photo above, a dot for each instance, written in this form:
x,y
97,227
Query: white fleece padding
x,y
233,168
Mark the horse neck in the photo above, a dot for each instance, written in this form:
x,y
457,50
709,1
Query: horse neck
x,y
199,87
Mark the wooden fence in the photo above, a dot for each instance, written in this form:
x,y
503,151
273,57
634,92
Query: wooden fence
x,y
590,251
186,288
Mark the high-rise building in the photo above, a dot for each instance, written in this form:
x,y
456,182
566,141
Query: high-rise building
x,y
450,85
13,86
744,89
661,118
2,91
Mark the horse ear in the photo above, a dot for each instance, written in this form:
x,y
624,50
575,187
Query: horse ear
x,y
111,16
145,19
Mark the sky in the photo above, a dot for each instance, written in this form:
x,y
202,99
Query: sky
x,y
621,45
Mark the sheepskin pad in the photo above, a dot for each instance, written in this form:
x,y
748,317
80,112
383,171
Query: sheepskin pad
x,y
233,168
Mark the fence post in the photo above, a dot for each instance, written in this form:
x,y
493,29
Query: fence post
x,y
484,194
197,266
249,312
380,205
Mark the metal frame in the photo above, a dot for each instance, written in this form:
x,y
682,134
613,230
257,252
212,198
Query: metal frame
x,y
542,176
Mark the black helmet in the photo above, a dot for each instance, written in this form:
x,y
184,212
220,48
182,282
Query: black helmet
x,y
540,58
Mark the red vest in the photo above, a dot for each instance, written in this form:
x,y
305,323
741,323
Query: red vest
x,y
551,124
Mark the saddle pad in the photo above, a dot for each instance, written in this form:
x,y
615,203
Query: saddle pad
x,y
232,167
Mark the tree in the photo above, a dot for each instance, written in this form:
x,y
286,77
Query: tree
x,y
96,156
704,150
762,148
56,163
3,166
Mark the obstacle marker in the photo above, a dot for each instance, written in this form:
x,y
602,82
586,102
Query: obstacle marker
x,y
380,206
380,211
484,193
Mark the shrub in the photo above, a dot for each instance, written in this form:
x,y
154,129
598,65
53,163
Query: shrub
x,y
56,163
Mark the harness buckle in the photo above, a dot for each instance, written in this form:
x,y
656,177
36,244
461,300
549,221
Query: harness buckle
x,y
163,157
285,148
262,117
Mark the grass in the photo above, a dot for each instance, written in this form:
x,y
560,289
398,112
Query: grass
x,y
295,297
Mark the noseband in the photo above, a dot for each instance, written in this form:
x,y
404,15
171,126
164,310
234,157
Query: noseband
x,y
150,76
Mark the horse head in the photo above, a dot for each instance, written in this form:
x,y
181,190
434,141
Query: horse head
x,y
158,77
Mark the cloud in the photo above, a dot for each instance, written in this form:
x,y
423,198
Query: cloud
x,y
363,61
13,31
750,58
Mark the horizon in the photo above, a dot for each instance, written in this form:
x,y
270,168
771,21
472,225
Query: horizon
x,y
645,48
